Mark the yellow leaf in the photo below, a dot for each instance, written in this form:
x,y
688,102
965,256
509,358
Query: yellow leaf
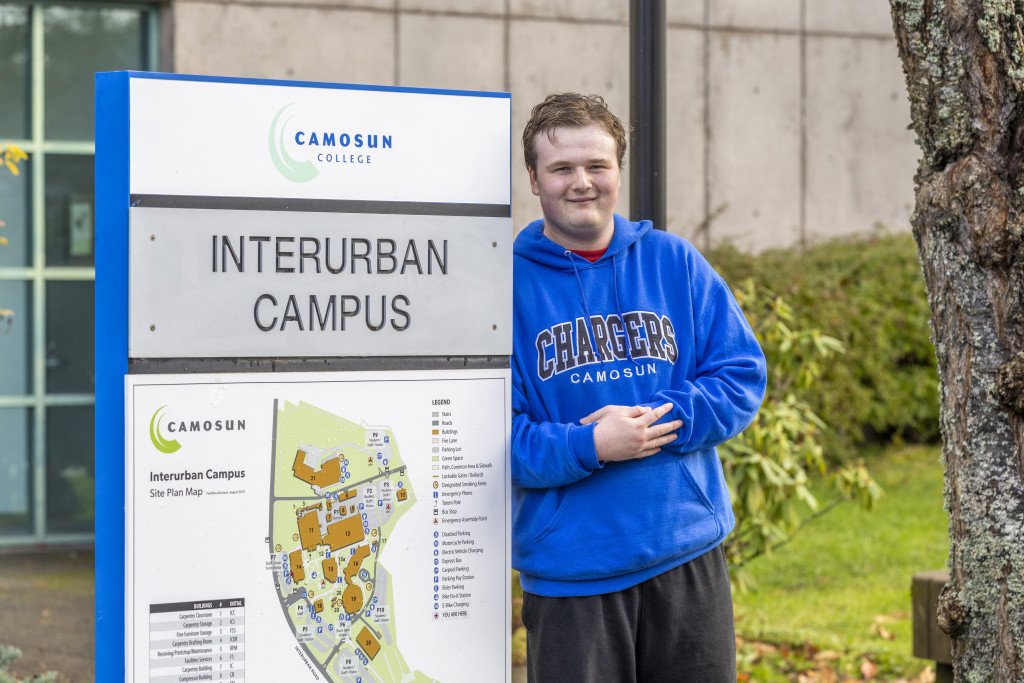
x,y
10,165
3,241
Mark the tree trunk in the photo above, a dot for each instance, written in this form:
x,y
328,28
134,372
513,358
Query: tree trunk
x,y
964,63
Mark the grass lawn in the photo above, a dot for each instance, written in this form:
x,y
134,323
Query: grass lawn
x,y
840,590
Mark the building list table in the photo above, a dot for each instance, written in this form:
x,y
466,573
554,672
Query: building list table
x,y
197,641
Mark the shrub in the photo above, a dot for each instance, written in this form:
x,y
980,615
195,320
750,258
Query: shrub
x,y
769,466
869,294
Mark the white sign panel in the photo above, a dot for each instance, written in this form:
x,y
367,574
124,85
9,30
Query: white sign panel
x,y
222,283
238,139
335,527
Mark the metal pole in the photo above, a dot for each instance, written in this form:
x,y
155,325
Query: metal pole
x,y
647,111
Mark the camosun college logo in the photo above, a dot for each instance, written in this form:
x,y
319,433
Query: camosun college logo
x,y
190,423
324,147
161,444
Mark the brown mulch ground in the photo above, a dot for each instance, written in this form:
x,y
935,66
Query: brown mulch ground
x,y
47,611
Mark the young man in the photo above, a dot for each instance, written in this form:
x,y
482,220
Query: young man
x,y
631,362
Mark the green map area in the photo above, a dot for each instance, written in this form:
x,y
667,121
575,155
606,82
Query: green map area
x,y
338,489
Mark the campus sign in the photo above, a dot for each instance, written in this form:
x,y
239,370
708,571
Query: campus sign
x,y
289,526
269,220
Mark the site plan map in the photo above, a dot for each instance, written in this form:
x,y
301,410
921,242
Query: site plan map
x,y
339,489
337,527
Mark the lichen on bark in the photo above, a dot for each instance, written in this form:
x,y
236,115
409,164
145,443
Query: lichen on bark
x,y
963,62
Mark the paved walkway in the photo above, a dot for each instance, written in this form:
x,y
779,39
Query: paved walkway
x,y
47,610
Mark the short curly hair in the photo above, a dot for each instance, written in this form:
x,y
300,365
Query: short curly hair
x,y
572,110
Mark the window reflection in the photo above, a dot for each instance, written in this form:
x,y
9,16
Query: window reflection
x,y
15,471
79,41
15,339
14,72
16,217
70,234
70,472
70,338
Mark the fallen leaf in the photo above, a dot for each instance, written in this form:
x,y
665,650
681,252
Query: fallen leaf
x,y
868,670
882,631
827,656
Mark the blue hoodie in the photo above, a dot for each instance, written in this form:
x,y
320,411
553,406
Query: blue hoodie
x,y
649,322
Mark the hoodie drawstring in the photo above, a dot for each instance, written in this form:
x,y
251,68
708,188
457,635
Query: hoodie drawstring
x,y
618,309
586,309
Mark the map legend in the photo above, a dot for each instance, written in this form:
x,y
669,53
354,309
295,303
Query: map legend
x,y
464,480
197,641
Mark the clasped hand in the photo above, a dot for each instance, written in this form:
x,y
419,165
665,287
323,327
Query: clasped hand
x,y
626,432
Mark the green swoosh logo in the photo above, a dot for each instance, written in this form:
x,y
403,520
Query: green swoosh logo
x,y
292,169
162,444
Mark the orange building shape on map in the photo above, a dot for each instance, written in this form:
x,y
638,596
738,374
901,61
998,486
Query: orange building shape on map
x,y
344,532
331,570
402,495
370,645
309,530
295,565
328,474
352,596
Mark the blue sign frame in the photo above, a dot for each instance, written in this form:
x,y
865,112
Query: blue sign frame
x,y
113,200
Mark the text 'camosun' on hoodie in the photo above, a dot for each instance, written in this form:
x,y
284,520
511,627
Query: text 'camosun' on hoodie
x,y
650,322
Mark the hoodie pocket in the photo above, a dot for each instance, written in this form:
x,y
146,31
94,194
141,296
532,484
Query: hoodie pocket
x,y
624,518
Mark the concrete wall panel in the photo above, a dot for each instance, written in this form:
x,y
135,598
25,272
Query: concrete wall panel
x,y
553,57
755,138
317,44
684,56
844,16
463,53
685,12
860,156
492,7
574,10
756,14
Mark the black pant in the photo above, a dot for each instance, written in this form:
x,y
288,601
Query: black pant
x,y
673,628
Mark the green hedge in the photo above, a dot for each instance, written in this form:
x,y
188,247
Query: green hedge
x,y
869,294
